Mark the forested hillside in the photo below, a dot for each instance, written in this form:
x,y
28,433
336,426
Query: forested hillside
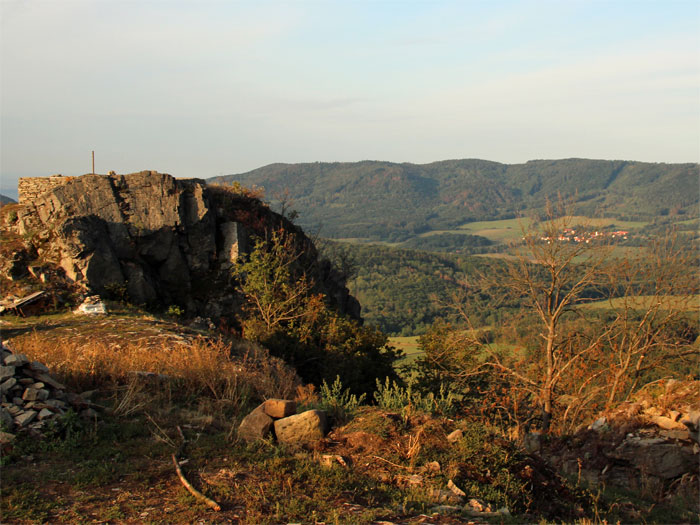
x,y
394,202
400,290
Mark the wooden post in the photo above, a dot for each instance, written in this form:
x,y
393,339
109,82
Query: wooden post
x,y
93,162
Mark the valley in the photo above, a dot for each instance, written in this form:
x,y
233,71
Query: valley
x,y
218,304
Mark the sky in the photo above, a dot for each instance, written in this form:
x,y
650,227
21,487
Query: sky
x,y
202,88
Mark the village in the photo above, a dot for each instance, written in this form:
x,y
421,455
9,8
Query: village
x,y
571,235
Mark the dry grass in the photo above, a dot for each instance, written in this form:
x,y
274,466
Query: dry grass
x,y
195,367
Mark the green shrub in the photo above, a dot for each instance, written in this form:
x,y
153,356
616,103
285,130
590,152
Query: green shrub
x,y
392,396
175,311
339,404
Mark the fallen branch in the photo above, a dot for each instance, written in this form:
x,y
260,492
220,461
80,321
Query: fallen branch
x,y
390,463
201,497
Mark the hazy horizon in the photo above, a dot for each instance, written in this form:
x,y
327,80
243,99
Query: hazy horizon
x,y
212,88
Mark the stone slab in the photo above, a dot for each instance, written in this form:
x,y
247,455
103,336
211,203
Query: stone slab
x,y
279,408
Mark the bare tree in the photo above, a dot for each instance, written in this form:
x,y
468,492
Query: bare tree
x,y
656,288
585,354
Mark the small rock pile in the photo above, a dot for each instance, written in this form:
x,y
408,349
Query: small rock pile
x,y
642,444
278,417
92,304
30,396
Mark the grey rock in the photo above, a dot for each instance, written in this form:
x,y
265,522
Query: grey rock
x,y
47,379
44,413
153,235
532,442
300,429
6,418
598,424
25,418
30,394
39,367
6,438
16,360
6,372
88,413
55,403
8,385
656,457
256,425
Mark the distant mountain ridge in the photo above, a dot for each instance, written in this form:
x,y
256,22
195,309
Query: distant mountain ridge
x,y
4,199
393,201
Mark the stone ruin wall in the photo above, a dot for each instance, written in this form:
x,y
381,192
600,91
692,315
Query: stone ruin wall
x,y
29,188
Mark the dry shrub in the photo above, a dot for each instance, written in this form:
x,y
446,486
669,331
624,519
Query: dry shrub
x,y
197,367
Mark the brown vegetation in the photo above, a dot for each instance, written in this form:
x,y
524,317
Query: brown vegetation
x,y
570,360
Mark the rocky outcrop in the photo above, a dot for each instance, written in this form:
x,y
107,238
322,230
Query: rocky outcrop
x,y
151,237
649,443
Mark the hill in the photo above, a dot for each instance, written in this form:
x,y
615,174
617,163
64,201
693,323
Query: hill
x,y
393,202
4,199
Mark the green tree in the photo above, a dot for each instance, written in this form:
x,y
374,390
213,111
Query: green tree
x,y
285,315
277,290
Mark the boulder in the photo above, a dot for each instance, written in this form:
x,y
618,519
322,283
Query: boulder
x,y
279,408
302,429
256,425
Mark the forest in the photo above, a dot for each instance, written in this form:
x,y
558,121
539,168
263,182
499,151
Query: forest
x,y
384,201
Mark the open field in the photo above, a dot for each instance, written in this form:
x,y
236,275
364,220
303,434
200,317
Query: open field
x,y
508,230
690,303
409,345
511,229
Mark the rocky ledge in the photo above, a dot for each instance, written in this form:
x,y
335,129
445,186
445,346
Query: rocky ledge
x,y
158,240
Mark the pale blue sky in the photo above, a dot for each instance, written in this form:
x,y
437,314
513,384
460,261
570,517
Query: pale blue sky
x,y
201,89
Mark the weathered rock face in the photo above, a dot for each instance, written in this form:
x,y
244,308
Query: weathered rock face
x,y
161,240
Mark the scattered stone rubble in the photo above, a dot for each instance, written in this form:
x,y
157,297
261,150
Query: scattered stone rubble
x,y
278,417
30,397
640,445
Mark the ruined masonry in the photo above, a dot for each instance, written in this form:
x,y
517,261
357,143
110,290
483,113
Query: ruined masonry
x,y
30,397
30,188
